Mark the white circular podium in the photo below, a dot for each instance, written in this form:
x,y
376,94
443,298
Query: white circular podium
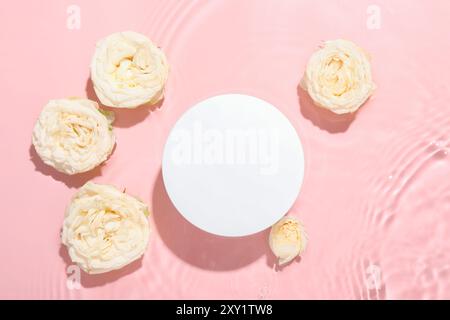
x,y
233,165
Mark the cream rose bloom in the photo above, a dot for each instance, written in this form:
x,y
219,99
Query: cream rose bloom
x,y
73,135
105,229
338,77
287,239
128,70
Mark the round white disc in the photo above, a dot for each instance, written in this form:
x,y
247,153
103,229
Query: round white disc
x,y
233,165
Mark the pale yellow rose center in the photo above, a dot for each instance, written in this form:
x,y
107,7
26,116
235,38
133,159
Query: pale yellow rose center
x,y
101,231
130,66
289,232
75,131
337,75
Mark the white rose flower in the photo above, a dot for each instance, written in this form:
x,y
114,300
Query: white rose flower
x,y
73,135
287,239
105,229
338,77
128,70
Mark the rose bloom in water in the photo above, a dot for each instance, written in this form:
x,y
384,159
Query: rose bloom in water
x,y
287,239
73,135
338,77
128,70
105,229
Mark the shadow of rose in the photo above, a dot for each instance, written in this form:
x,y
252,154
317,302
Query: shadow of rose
x,y
199,248
72,181
124,117
97,280
322,118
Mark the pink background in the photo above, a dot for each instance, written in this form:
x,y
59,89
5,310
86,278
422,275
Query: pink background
x,y
376,195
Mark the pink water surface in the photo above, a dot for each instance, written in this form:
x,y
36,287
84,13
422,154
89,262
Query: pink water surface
x,y
376,195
